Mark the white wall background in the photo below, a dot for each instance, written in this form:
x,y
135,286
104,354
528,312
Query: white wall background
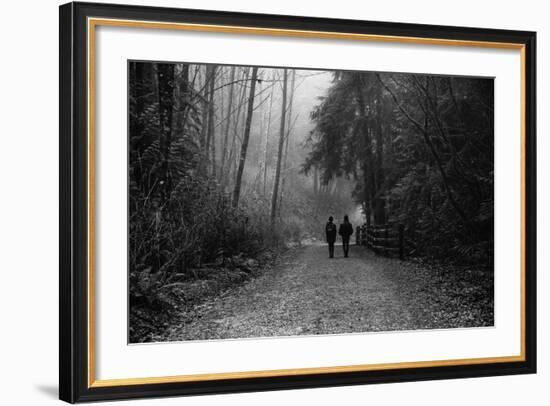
x,y
29,203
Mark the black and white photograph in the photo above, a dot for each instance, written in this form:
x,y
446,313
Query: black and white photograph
x,y
272,202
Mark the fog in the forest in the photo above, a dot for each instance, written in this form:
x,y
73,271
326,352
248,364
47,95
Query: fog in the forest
x,y
232,166
310,86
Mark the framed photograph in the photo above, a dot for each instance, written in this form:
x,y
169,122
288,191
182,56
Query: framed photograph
x,y
256,202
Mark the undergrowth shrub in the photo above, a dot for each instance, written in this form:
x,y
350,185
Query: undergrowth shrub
x,y
197,228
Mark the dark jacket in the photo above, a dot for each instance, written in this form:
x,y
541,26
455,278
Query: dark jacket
x,y
330,230
346,230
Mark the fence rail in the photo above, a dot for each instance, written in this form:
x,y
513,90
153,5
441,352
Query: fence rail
x,y
383,239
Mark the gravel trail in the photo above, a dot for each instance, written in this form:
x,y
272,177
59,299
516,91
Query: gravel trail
x,y
308,293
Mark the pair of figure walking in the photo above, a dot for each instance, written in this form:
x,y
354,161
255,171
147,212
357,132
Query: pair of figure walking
x,y
345,231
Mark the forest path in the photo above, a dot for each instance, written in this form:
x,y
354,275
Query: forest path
x,y
308,293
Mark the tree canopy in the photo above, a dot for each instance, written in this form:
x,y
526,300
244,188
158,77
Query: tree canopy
x,y
420,151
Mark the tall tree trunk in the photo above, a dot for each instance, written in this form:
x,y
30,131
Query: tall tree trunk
x,y
138,142
263,114
366,141
139,96
217,137
182,99
204,121
280,152
379,201
223,152
165,74
267,136
210,133
287,140
230,159
246,136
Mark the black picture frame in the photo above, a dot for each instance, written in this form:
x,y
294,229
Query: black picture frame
x,y
74,200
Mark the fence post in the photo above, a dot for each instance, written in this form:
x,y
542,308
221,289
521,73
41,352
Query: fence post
x,y
401,242
386,236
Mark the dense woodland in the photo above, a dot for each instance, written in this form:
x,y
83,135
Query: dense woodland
x,y
420,150
229,165
215,174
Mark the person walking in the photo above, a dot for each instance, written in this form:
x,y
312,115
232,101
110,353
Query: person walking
x,y
345,231
330,230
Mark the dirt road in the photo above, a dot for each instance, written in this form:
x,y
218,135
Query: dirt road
x,y
308,293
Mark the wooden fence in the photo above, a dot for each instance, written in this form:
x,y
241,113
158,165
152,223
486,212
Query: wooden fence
x,y
383,239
